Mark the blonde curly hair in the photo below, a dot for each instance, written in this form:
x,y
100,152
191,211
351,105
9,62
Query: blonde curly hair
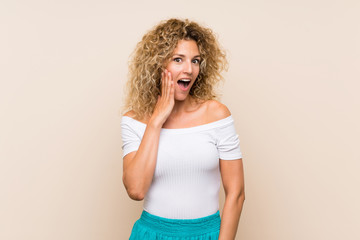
x,y
155,49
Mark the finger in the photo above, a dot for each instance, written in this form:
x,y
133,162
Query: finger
x,y
169,83
163,83
172,86
167,86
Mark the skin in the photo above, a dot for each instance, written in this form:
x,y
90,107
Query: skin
x,y
175,108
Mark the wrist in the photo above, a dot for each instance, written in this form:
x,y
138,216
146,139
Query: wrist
x,y
155,122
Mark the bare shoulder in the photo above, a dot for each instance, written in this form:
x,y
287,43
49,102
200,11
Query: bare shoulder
x,y
130,114
216,110
133,115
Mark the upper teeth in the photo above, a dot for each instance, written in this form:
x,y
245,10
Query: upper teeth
x,y
185,80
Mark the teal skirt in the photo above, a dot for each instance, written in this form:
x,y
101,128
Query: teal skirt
x,y
152,227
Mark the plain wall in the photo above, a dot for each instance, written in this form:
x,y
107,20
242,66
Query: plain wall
x,y
292,87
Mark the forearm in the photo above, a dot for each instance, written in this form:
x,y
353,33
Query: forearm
x,y
230,217
139,171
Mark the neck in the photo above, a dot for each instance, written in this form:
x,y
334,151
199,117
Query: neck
x,y
181,107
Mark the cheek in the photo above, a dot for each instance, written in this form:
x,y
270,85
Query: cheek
x,y
197,71
173,70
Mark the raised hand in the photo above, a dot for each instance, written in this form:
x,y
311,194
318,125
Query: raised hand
x,y
166,101
143,161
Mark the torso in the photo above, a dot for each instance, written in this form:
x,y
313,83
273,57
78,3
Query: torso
x,y
186,179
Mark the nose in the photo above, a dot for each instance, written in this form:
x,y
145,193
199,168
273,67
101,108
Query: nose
x,y
188,68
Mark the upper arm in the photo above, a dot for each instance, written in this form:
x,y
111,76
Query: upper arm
x,y
131,142
130,138
232,175
231,168
127,159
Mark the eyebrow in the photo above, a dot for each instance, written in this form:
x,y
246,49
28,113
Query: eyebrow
x,y
182,55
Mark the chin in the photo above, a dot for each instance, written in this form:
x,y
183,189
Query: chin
x,y
181,97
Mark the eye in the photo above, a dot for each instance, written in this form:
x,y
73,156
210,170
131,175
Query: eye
x,y
177,59
197,61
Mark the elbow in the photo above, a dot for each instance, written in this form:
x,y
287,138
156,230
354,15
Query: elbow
x,y
237,196
241,195
135,193
137,196
239,200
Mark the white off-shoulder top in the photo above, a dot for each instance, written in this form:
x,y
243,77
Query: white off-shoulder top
x,y
186,181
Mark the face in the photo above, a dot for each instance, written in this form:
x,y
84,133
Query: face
x,y
184,66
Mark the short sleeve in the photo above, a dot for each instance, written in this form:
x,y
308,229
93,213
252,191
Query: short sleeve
x,y
228,143
131,140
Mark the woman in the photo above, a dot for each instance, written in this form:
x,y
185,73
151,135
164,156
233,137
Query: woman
x,y
177,139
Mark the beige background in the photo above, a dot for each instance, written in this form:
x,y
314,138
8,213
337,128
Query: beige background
x,y
292,86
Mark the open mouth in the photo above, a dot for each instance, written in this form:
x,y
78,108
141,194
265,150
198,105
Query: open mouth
x,y
183,83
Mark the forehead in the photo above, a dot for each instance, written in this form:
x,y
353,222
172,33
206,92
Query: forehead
x,y
187,47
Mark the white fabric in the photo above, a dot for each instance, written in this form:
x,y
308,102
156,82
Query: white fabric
x,y
186,181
